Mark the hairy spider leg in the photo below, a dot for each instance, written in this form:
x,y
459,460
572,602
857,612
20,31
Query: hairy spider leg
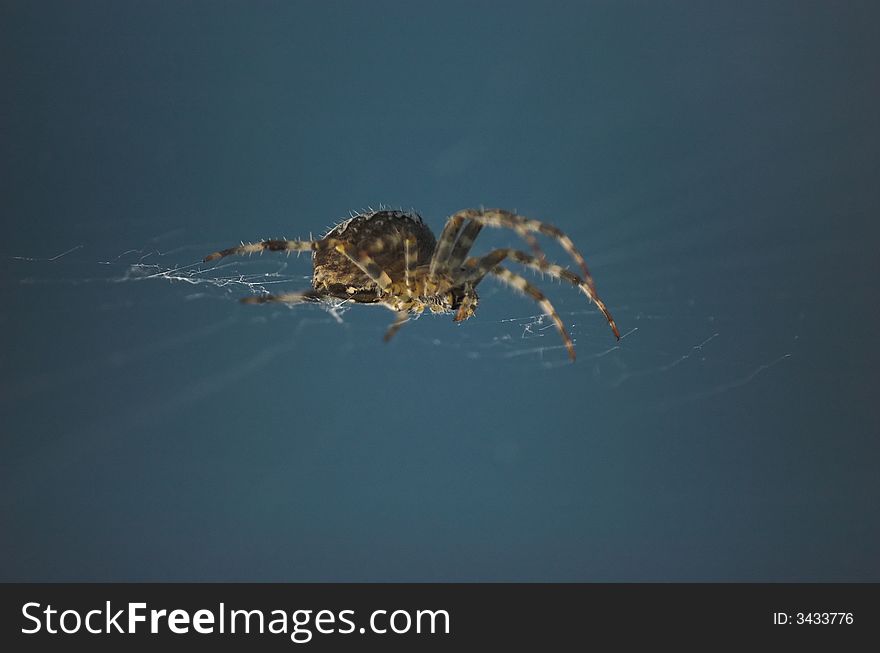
x,y
533,244
263,245
360,258
462,246
466,240
468,304
478,268
401,319
519,283
444,245
286,298
500,218
455,242
409,261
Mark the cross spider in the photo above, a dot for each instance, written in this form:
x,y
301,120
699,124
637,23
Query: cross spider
x,y
391,258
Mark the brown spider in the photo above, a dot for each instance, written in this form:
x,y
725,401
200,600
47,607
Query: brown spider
x,y
391,258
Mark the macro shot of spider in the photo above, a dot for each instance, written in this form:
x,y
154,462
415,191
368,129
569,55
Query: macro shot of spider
x,y
391,258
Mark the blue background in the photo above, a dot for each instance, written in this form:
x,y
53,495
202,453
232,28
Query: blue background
x,y
716,162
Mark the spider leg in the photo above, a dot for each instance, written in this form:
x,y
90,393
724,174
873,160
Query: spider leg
x,y
401,319
478,268
445,244
462,246
365,262
523,226
263,245
533,244
456,241
285,298
360,258
519,283
468,304
409,262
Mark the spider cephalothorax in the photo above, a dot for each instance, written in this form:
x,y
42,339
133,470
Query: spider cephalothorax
x,y
392,258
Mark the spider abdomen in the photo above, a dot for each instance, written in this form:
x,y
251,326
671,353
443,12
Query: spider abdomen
x,y
381,234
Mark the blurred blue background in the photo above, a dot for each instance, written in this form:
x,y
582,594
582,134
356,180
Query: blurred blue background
x,y
716,162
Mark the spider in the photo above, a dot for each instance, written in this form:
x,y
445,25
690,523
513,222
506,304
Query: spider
x,y
391,258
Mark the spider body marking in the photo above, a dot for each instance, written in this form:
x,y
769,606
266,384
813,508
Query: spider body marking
x,y
392,258
382,234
